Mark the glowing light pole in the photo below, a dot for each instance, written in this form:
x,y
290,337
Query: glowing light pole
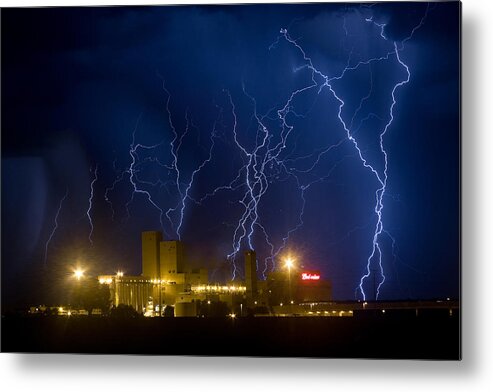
x,y
289,263
78,274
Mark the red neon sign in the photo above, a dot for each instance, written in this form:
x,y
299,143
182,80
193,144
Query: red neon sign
x,y
310,276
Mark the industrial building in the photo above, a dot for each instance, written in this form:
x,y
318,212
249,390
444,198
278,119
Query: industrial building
x,y
167,282
129,290
301,287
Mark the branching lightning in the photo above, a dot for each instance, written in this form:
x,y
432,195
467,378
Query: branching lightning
x,y
55,227
381,176
186,194
132,172
175,184
269,154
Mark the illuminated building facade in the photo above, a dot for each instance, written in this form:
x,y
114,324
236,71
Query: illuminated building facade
x,y
134,291
150,253
171,259
165,281
304,286
311,287
233,295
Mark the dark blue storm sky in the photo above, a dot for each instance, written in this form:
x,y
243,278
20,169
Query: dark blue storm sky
x,y
81,87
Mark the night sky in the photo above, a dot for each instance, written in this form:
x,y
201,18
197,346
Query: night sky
x,y
147,96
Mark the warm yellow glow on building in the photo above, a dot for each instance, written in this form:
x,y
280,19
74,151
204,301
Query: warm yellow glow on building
x,y
216,289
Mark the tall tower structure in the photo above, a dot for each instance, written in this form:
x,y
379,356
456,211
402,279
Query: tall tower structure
x,y
251,274
171,256
150,253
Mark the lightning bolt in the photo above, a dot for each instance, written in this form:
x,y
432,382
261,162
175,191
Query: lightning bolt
x,y
381,191
267,157
175,154
176,186
131,173
186,196
132,176
255,183
111,188
262,164
381,176
89,209
55,227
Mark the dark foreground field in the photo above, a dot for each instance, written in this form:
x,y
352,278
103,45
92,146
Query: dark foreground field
x,y
433,336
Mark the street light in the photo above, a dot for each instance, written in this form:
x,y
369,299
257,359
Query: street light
x,y
289,263
78,274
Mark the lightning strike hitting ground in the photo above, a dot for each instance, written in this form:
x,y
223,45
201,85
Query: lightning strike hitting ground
x,y
272,156
55,227
381,176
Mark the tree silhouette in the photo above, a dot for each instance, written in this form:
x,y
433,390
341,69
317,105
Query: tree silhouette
x,y
93,295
